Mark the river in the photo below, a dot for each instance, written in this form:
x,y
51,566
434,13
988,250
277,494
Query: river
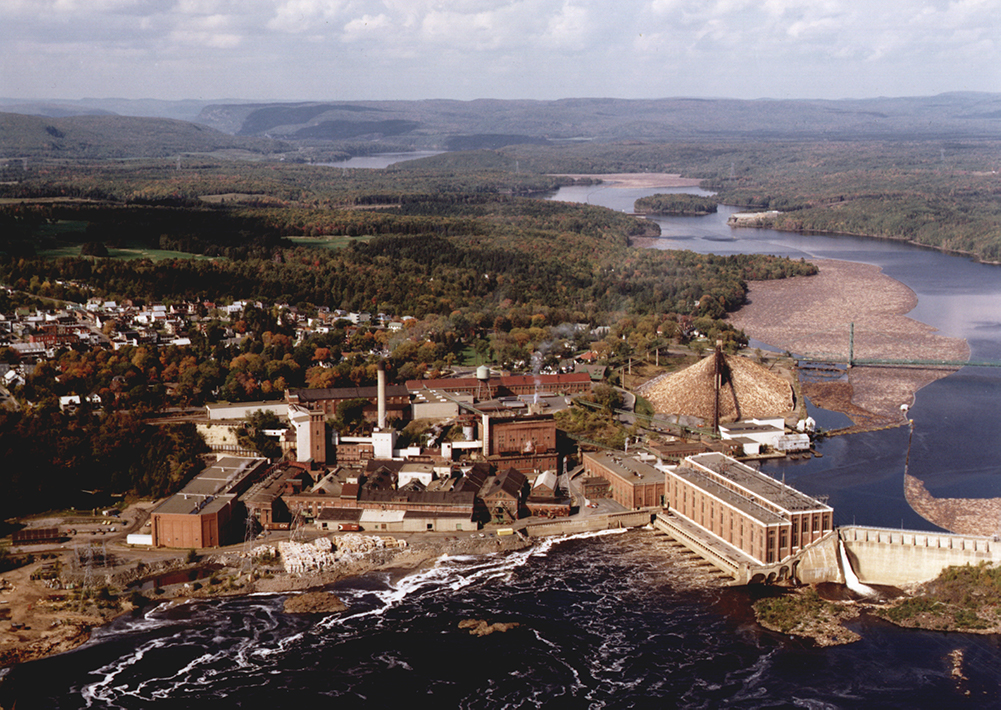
x,y
606,621
957,419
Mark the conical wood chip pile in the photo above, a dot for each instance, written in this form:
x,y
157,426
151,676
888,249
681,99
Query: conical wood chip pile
x,y
749,390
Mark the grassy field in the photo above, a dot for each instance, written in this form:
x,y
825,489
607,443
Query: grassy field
x,y
60,227
470,358
328,242
127,253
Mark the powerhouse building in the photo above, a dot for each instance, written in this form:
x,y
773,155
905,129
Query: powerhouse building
x,y
199,514
764,518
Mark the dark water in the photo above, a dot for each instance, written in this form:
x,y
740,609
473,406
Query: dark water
x,y
607,621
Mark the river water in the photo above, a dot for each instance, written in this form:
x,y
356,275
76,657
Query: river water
x,y
606,621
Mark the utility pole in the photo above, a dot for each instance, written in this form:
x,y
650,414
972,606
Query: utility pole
x,y
851,344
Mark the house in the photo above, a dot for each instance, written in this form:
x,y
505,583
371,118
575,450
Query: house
x,y
545,485
546,500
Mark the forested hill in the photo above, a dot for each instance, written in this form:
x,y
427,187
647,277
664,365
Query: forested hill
x,y
435,123
112,137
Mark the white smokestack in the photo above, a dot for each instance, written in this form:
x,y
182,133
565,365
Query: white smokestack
x,y
382,394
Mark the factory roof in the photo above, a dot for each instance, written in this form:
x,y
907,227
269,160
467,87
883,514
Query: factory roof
x,y
756,483
210,490
627,468
742,503
323,393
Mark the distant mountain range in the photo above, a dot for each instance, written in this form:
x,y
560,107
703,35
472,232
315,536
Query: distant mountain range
x,y
92,137
620,119
86,125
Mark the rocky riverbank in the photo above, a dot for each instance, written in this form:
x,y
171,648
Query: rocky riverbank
x,y
802,612
398,560
41,621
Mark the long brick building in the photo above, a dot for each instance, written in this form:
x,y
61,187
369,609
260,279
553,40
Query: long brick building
x,y
632,483
764,518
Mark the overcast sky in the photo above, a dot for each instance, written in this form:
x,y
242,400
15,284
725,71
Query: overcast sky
x,y
467,49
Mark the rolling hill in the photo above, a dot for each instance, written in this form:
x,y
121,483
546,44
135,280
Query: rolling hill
x,y
107,137
436,123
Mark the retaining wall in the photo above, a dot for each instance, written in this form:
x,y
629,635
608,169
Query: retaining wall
x,y
591,523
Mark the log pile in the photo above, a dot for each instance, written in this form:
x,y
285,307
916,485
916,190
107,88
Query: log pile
x,y
963,516
811,314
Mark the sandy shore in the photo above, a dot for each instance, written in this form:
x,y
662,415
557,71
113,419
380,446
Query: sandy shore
x,y
639,180
811,314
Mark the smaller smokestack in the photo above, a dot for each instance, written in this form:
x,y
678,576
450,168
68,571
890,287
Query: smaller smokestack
x,y
382,394
486,436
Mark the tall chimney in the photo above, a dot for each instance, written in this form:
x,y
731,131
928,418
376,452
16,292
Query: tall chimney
x,y
382,394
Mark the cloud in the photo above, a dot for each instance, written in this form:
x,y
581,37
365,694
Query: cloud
x,y
304,15
365,26
570,28
500,48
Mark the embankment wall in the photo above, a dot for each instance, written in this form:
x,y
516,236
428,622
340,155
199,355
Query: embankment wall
x,y
593,523
819,563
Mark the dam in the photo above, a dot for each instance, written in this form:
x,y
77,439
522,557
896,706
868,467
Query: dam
x,y
876,555
757,530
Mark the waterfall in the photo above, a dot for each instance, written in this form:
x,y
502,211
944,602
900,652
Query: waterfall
x,y
851,579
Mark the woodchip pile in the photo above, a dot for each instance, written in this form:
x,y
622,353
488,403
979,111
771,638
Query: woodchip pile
x,y
749,390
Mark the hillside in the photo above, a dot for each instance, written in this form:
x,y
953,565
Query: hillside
x,y
434,123
112,137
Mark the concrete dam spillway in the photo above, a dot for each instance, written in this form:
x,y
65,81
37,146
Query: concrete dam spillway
x,y
859,556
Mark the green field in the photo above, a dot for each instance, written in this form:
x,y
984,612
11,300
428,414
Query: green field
x,y
125,253
328,242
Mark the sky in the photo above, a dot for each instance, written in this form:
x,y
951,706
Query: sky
x,y
503,49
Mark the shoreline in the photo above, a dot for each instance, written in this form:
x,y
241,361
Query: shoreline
x,y
51,630
754,220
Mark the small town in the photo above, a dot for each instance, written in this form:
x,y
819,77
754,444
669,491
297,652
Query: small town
x,y
471,459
